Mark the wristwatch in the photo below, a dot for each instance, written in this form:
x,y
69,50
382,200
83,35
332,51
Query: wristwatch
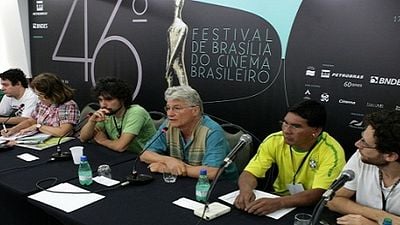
x,y
38,126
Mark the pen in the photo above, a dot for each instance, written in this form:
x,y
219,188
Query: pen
x,y
5,128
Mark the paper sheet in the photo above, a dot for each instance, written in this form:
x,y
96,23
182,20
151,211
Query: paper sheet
x,y
65,201
188,203
230,198
105,181
27,157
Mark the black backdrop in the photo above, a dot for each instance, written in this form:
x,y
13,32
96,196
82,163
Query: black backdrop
x,y
342,53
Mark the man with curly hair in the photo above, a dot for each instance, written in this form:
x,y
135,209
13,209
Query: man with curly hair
x,y
376,164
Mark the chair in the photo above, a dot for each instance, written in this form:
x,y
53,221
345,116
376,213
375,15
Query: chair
x,y
89,108
158,118
233,133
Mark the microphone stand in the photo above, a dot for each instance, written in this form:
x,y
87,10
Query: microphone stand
x,y
63,156
319,208
215,209
20,108
139,179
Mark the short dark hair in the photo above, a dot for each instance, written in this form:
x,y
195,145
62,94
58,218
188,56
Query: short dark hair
x,y
311,110
387,130
15,76
111,87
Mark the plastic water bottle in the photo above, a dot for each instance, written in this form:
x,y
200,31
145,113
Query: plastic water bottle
x,y
202,186
85,172
387,221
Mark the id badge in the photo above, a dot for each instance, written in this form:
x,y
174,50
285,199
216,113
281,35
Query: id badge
x,y
295,188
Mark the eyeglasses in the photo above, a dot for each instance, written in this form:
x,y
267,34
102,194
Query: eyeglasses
x,y
177,108
363,144
285,124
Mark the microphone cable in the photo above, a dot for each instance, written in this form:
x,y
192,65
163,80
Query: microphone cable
x,y
55,180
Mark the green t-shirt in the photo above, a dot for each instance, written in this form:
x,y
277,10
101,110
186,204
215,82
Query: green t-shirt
x,y
136,121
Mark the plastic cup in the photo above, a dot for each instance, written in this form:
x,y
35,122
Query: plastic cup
x,y
104,170
169,177
302,219
77,152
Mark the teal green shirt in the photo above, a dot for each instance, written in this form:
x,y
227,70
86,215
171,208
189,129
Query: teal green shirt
x,y
136,121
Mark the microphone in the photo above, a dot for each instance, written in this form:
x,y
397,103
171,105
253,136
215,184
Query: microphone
x,y
13,112
138,179
62,156
347,175
243,141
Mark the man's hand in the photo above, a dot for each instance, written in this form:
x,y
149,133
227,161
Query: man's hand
x,y
352,219
99,115
264,206
176,166
243,199
157,167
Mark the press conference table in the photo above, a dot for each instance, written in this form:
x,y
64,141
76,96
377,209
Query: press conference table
x,y
17,184
147,204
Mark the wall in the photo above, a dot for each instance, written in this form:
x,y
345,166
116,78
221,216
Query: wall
x,y
14,36
248,59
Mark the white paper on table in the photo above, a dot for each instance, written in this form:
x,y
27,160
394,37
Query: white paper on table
x,y
230,198
105,181
27,157
66,201
188,203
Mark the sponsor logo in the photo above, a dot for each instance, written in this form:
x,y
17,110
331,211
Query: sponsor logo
x,y
348,76
375,105
397,108
307,92
324,97
310,71
356,124
348,102
312,85
393,81
349,84
39,25
39,13
325,73
39,5
357,114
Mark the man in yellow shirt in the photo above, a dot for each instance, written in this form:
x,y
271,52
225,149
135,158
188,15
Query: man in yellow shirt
x,y
308,160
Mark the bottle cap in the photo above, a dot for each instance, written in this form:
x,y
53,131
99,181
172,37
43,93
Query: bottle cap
x,y
203,172
83,158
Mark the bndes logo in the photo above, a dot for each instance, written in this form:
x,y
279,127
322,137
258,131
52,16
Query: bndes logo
x,y
39,25
384,81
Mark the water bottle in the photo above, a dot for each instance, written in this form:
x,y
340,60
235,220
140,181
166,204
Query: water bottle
x,y
387,221
202,186
85,172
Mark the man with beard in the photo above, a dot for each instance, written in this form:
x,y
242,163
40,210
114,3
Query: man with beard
x,y
376,164
118,124
307,157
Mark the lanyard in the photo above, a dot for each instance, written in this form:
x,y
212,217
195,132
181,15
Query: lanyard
x,y
302,161
384,199
119,128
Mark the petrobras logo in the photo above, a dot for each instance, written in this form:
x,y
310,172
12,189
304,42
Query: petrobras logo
x,y
375,105
40,25
349,84
356,124
378,80
325,73
348,76
346,102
